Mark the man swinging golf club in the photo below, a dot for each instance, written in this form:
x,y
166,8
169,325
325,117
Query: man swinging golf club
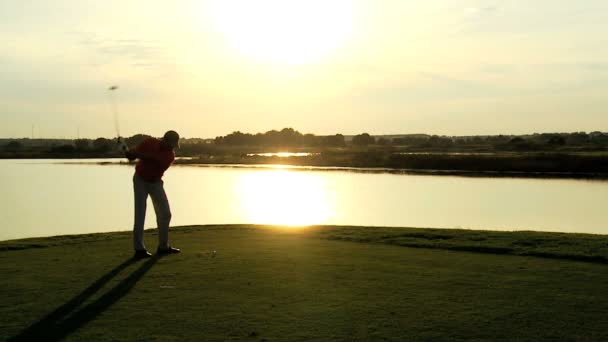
x,y
155,156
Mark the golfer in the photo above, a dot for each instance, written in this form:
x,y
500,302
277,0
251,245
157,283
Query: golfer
x,y
155,156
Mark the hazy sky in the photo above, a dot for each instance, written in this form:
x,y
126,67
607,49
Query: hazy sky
x,y
207,68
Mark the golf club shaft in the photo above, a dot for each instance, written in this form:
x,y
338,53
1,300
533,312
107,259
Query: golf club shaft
x,y
120,141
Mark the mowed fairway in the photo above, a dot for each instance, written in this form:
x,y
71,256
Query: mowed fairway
x,y
288,284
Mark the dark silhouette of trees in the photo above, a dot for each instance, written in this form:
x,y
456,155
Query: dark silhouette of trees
x,y
13,146
410,140
236,139
309,140
363,139
81,144
383,142
63,149
333,141
290,138
578,138
287,137
556,140
331,147
439,141
102,144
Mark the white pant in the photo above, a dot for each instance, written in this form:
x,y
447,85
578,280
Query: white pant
x,y
141,190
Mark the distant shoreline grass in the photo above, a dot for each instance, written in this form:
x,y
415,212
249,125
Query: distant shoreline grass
x,y
533,165
401,171
271,283
404,171
579,165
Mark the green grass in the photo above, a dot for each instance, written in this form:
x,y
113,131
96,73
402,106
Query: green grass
x,y
301,284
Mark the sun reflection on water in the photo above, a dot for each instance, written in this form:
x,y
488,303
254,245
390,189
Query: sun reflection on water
x,y
284,197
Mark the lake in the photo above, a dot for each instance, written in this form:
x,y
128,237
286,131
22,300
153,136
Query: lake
x,y
53,197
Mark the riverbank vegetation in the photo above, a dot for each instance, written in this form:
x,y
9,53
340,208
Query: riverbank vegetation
x,y
577,154
310,283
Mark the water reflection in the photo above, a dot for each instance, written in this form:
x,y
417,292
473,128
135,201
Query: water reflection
x,y
284,197
45,197
281,154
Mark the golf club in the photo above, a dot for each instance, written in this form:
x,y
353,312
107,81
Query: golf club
x,y
122,146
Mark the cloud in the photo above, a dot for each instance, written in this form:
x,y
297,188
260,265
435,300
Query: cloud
x,y
135,51
486,81
482,17
595,67
426,87
474,13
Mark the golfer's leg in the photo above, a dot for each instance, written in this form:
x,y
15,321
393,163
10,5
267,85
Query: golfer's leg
x,y
163,213
141,196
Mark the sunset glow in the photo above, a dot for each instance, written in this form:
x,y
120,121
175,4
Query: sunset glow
x,y
209,67
284,197
284,32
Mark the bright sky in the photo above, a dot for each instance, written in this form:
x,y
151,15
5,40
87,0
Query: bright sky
x,y
207,68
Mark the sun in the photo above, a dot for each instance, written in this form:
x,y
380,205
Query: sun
x,y
284,197
283,31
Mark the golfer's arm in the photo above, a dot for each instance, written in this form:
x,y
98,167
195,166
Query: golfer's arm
x,y
144,156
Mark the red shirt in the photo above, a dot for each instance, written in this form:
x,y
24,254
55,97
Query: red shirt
x,y
153,170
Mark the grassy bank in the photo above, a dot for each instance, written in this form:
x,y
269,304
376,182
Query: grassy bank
x,y
443,162
319,283
581,165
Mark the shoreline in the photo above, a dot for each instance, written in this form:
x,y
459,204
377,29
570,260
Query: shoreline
x,y
553,165
189,161
585,247
418,172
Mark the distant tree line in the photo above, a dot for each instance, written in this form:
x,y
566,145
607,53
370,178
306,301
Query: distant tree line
x,y
290,138
100,145
287,137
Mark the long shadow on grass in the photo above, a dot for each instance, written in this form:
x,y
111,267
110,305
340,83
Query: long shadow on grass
x,y
58,325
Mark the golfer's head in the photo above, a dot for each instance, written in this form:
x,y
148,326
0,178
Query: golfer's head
x,y
171,138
